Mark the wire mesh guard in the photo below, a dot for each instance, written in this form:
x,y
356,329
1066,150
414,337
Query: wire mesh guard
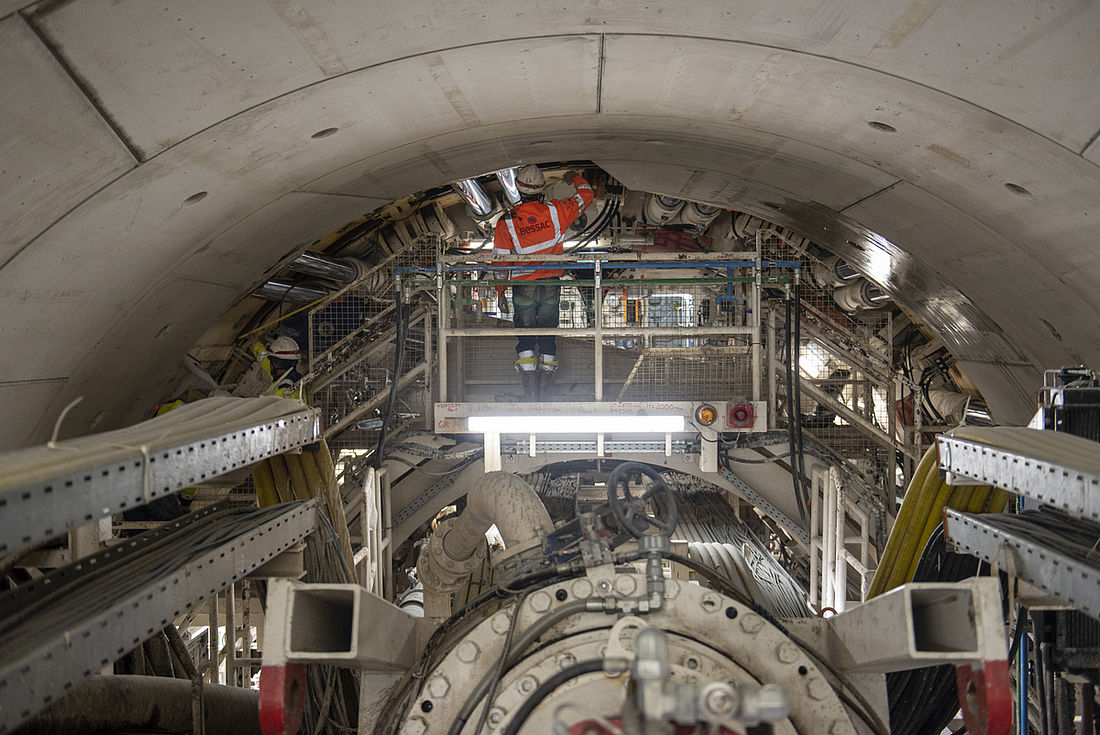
x,y
353,339
844,360
681,337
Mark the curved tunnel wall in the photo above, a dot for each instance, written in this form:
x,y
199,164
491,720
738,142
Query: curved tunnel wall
x,y
158,159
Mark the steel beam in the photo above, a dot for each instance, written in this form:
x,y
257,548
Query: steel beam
x,y
43,665
921,624
1048,569
47,492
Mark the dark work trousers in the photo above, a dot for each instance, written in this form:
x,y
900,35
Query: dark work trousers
x,y
536,306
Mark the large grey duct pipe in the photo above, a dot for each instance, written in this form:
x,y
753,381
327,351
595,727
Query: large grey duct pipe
x,y
499,498
341,271
860,294
333,273
480,203
112,704
292,293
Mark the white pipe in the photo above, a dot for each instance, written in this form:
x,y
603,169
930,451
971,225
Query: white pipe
x,y
457,547
828,518
841,582
815,537
503,499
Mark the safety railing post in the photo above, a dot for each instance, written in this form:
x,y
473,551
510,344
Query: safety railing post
x,y
597,301
772,401
757,360
444,322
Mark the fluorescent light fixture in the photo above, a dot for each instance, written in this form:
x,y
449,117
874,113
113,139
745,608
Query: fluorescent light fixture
x,y
575,424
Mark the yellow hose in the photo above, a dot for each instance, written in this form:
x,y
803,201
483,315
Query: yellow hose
x,y
309,474
921,512
265,485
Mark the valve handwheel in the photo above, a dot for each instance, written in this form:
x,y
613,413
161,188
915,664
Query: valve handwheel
x,y
629,510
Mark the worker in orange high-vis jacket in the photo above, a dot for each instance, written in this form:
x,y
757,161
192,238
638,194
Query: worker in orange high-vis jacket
x,y
536,227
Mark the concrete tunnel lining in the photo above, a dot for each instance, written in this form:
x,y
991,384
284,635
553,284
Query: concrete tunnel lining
x,y
135,257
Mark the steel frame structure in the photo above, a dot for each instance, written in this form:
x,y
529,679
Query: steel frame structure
x,y
1045,479
48,506
44,670
1047,568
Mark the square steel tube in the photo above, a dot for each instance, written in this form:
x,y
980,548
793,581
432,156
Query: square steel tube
x,y
921,624
340,624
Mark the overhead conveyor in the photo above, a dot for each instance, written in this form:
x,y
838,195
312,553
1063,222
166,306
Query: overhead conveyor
x,y
49,490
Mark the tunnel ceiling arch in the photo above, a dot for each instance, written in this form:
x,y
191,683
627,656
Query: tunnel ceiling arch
x,y
159,159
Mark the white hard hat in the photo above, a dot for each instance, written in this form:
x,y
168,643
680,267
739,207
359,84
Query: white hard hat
x,y
284,348
529,180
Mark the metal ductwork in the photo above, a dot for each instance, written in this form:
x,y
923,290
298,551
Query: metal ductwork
x,y
327,274
860,294
507,179
293,293
698,215
660,209
831,272
341,271
479,204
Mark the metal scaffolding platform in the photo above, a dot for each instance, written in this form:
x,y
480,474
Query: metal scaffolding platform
x,y
1064,576
68,625
1054,468
47,491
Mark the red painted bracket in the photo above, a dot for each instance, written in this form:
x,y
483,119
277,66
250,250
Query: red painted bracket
x,y
282,698
985,695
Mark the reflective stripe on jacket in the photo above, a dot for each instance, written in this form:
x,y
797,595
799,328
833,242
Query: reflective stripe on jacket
x,y
538,228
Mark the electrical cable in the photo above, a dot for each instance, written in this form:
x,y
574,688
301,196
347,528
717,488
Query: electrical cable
x,y
792,416
335,540
498,669
545,689
529,636
398,362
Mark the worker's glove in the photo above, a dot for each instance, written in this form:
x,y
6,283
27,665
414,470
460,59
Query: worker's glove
x,y
569,176
502,302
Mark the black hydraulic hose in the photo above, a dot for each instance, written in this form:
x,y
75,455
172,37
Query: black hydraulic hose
x,y
398,363
611,207
547,688
526,638
792,417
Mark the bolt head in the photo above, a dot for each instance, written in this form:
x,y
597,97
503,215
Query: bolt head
x,y
438,686
626,585
751,623
500,623
539,601
527,684
468,651
566,660
604,586
837,727
581,589
786,652
496,716
415,726
818,689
